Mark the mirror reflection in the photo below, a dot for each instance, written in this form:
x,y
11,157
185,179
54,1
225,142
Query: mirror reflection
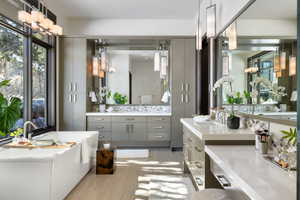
x,y
260,59
133,72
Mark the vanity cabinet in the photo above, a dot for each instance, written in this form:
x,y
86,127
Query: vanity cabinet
x,y
132,130
73,78
183,65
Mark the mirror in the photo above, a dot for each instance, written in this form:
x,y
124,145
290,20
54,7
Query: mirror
x,y
258,51
133,71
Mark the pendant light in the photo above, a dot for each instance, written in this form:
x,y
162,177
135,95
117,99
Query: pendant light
x,y
282,58
96,65
292,63
164,65
198,31
231,32
157,61
277,67
211,21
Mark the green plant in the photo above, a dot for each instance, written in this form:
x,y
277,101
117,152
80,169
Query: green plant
x,y
119,98
10,111
247,96
290,135
234,99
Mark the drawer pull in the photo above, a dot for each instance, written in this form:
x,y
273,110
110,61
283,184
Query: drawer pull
x,y
160,119
158,127
102,127
130,119
101,136
198,149
159,136
223,180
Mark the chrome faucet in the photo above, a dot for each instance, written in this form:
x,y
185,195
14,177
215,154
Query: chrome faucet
x,y
25,128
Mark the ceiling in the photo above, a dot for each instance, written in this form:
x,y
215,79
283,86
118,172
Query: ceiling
x,y
129,9
272,9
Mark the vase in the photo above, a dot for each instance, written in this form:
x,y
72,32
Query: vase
x,y
233,122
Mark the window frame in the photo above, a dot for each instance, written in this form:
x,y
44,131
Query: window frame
x,y
29,40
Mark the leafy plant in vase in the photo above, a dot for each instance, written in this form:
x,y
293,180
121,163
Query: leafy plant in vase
x,y
233,121
120,99
10,112
104,94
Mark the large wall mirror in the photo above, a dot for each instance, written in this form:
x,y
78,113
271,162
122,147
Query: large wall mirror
x,y
258,51
133,72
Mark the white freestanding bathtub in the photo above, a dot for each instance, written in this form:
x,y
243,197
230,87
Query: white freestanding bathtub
x,y
46,174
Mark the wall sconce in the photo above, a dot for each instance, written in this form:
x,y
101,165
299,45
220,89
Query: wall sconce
x,y
211,21
95,66
101,74
231,32
292,66
157,61
277,63
103,61
283,60
164,66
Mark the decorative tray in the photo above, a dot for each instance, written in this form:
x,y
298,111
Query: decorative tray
x,y
271,159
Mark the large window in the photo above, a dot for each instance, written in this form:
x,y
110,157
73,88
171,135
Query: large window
x,y
28,62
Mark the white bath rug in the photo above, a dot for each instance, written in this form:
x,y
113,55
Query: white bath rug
x,y
132,153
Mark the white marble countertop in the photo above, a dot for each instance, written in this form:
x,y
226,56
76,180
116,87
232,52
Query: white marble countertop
x,y
257,177
212,130
146,114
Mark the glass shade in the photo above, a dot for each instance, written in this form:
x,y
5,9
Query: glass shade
x,y
283,60
232,36
277,63
157,62
95,66
164,65
292,66
102,74
211,21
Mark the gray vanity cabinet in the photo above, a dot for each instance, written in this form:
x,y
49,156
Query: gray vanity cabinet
x,y
73,78
183,67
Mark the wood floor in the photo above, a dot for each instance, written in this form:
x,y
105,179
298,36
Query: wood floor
x,y
158,177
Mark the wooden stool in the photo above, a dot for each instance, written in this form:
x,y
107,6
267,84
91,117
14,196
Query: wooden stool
x,y
105,161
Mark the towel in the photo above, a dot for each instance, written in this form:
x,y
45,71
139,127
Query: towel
x,y
93,96
165,97
85,151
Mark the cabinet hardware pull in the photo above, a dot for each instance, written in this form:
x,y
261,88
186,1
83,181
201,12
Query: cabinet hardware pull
x,y
160,119
75,87
129,119
75,98
182,98
158,127
102,127
70,87
159,136
101,136
187,87
223,180
182,87
187,98
70,98
198,149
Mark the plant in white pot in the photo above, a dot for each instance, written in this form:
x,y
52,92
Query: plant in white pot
x,y
104,94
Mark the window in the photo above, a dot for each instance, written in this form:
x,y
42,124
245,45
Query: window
x,y
39,85
12,65
28,61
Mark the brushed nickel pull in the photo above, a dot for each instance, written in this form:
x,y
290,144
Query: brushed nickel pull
x,y
158,127
158,136
102,127
75,87
182,98
70,87
101,136
182,87
223,180
129,119
75,98
159,119
187,87
70,98
186,98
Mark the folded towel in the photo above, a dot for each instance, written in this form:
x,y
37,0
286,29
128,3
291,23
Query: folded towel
x,y
85,151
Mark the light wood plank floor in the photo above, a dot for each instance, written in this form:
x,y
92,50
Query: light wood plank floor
x,y
158,177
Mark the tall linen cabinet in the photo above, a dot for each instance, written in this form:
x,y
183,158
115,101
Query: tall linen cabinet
x,y
183,65
72,82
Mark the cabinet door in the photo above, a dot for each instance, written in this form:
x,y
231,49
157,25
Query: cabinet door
x,y
177,53
190,77
120,131
79,83
137,131
67,76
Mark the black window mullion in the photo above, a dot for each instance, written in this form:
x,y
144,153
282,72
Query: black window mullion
x,y
28,80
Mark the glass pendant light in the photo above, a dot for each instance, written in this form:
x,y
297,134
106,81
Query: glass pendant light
x,y
157,61
283,60
231,32
164,66
277,67
292,65
103,60
101,74
95,66
211,21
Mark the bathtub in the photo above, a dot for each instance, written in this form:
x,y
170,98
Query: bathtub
x,y
46,174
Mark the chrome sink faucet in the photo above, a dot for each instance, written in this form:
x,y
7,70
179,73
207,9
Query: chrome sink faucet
x,y
25,128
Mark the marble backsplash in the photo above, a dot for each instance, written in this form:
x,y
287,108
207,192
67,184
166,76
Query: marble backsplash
x,y
138,108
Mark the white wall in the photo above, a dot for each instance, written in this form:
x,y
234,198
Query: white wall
x,y
119,80
267,27
130,27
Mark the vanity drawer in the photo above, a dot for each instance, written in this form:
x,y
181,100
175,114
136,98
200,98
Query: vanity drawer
x,y
159,136
98,119
129,119
96,126
158,127
159,119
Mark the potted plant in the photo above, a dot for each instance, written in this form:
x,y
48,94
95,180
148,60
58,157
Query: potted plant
x,y
10,112
233,121
104,94
119,98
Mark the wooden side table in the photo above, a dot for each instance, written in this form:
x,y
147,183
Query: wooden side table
x,y
105,161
